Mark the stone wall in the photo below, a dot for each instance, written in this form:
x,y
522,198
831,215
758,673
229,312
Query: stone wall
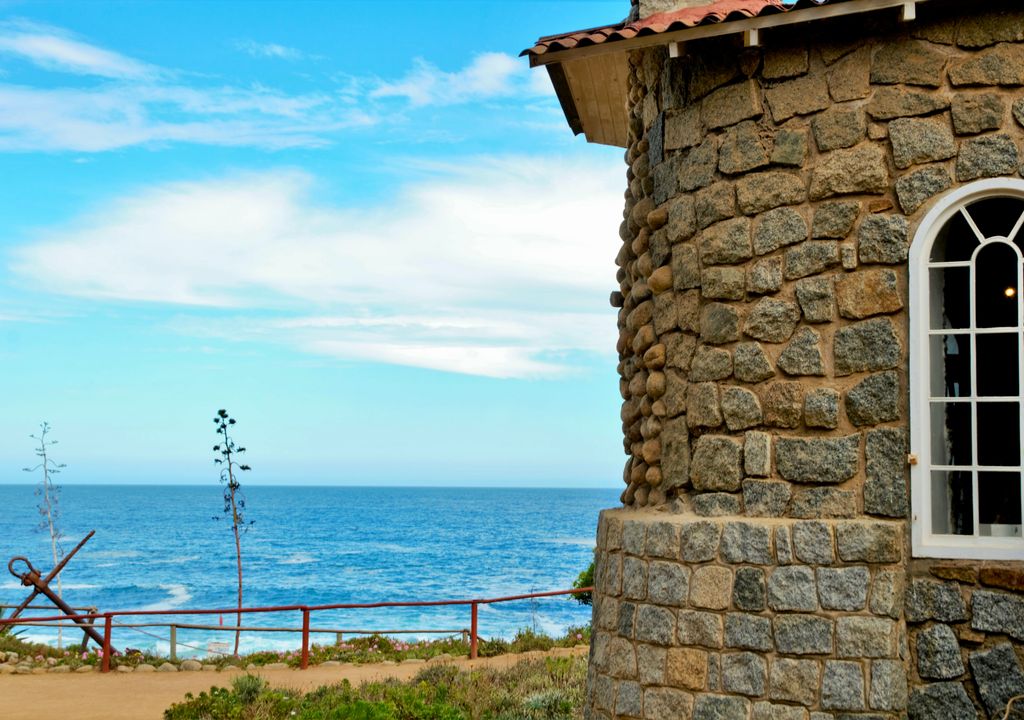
x,y
763,359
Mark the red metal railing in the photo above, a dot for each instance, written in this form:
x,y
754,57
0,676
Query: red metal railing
x,y
306,610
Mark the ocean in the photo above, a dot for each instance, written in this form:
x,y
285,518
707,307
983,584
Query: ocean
x,y
159,547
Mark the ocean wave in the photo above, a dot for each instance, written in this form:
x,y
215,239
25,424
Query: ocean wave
x,y
15,585
297,559
177,595
115,554
580,542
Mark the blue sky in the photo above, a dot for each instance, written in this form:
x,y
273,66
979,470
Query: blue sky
x,y
364,229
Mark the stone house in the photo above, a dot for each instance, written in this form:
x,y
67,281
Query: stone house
x,y
821,342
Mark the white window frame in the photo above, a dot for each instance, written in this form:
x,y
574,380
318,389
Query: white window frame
x,y
925,543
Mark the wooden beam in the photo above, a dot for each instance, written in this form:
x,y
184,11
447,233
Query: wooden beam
x,y
751,37
909,12
731,27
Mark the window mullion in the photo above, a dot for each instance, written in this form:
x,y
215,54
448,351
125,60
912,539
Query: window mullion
x,y
972,296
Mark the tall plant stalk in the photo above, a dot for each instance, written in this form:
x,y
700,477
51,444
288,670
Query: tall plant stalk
x,y
234,502
49,495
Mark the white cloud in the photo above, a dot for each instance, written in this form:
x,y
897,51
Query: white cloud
x,y
497,267
54,49
489,75
268,50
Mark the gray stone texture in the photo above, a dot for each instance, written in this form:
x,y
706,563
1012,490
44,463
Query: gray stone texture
x,y
842,686
746,542
699,541
742,149
732,104
794,681
714,203
773,711
874,400
803,354
843,588
662,540
717,504
998,612
885,488
719,323
784,545
872,542
849,77
883,239
860,636
916,141
710,363
890,103
655,625
810,258
817,460
790,148
685,267
834,219
802,96
998,676
744,673
867,346
812,542
765,276
823,502
803,634
627,699
986,156
973,114
772,320
941,701
839,127
915,189
675,453
717,463
703,410
887,593
720,707
860,169
784,62
990,27
698,628
663,703
935,600
757,453
634,537
1000,65
816,297
792,588
741,408
751,363
758,192
821,408
634,578
748,591
888,685
938,653
910,62
667,583
766,498
778,228
726,243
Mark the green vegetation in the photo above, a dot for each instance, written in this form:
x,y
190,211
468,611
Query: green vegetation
x,y
546,689
234,501
585,579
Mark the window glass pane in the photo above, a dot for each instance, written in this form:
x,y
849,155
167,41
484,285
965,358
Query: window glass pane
x,y
951,433
951,365
998,367
995,217
999,504
952,511
998,433
995,286
955,241
953,286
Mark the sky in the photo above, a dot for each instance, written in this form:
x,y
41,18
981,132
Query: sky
x,y
364,229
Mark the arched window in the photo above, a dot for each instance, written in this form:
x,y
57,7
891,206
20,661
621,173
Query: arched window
x,y
967,374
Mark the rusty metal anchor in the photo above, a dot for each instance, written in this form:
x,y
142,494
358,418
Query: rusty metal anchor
x,y
32,578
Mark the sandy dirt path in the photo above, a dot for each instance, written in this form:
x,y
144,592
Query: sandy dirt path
x,y
145,696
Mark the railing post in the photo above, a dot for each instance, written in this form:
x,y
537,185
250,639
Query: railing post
x,y
472,630
174,643
107,622
305,638
339,638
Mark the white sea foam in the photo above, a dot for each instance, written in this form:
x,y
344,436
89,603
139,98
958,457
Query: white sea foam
x,y
580,542
297,559
177,595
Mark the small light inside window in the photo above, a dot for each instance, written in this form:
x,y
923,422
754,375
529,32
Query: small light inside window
x,y
1010,292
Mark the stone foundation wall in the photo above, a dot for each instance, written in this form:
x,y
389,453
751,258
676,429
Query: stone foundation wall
x,y
772,197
